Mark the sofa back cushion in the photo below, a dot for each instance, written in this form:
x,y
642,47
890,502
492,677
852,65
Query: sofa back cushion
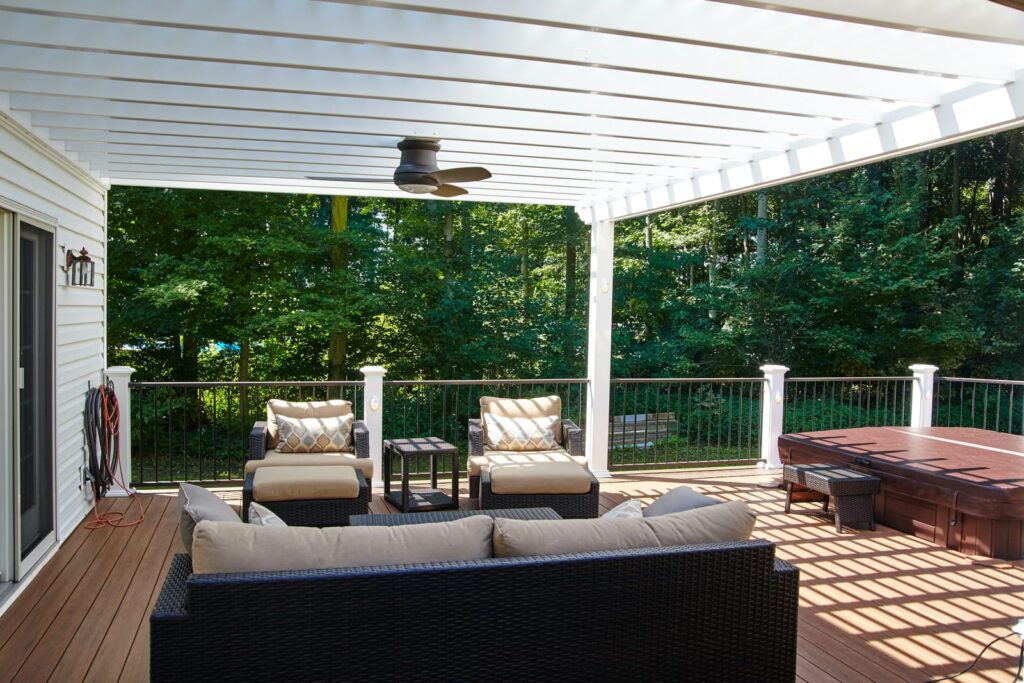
x,y
224,548
314,434
539,407
732,521
275,407
196,504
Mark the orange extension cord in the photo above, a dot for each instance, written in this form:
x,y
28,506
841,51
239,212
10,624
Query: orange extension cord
x,y
111,429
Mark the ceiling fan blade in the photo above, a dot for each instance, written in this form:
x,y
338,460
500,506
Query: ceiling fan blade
x,y
466,174
343,179
449,191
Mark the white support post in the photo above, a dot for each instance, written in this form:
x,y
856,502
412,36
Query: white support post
x,y
773,396
120,376
922,393
373,404
599,345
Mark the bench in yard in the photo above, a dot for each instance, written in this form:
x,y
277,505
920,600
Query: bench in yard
x,y
643,430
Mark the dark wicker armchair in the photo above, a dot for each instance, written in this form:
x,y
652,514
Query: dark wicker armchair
x,y
568,435
263,453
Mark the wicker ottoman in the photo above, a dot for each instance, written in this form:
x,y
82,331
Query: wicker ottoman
x,y
854,491
568,488
308,495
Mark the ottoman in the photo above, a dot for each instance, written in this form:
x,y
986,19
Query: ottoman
x,y
854,491
568,488
308,495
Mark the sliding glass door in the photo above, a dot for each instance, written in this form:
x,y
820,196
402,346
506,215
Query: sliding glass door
x,y
34,387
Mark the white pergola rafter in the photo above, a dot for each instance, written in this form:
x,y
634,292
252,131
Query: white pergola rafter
x,y
616,108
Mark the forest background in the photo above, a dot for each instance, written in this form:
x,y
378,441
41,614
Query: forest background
x,y
862,272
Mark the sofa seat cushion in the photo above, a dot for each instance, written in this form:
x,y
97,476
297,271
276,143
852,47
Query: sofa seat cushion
x,y
307,482
220,547
315,434
276,459
275,407
539,406
489,458
732,521
540,477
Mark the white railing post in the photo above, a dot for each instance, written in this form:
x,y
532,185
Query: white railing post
x,y
373,416
120,376
922,393
599,345
773,403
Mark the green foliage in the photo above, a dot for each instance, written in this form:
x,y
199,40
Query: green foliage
x,y
864,272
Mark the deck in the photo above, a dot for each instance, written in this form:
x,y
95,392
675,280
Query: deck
x,y
874,606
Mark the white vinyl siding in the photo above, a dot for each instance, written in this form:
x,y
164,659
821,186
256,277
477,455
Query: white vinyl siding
x,y
42,186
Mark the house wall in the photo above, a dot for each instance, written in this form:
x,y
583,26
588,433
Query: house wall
x,y
43,186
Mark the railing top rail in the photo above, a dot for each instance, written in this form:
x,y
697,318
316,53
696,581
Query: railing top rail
x,y
704,380
851,379
204,385
1015,382
480,382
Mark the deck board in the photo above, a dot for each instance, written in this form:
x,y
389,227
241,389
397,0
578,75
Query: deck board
x,y
874,606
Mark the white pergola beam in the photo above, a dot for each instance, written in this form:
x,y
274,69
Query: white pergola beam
x,y
50,112
26,89
991,111
466,48
731,27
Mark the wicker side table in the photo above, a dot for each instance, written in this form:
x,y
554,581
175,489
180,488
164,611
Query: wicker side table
x,y
854,491
419,500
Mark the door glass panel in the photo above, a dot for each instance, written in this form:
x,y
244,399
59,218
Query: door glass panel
x,y
35,379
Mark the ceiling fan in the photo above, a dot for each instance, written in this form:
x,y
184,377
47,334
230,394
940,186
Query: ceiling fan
x,y
418,173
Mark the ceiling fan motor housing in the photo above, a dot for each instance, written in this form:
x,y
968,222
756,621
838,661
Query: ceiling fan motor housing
x,y
419,158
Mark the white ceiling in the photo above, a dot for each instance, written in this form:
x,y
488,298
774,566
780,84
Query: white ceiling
x,y
621,106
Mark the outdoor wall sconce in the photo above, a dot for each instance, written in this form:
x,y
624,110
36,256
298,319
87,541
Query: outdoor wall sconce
x,y
604,286
374,404
79,268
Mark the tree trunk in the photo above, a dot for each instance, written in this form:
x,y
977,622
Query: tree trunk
x,y
338,345
524,262
189,358
465,219
762,227
243,376
954,211
570,262
449,247
997,197
648,235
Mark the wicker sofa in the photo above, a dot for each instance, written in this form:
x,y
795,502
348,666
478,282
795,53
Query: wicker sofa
x,y
721,612
568,435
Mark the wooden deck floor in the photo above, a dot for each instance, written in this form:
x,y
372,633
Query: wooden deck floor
x,y
878,606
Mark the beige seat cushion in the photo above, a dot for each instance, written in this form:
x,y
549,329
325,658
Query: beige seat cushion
x,y
275,407
541,406
732,521
504,457
276,459
308,482
218,548
540,477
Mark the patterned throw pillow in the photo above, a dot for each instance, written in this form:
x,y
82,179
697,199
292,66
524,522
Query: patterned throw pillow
x,y
520,433
263,516
315,434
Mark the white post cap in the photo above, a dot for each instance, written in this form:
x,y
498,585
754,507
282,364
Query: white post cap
x,y
923,367
774,369
370,370
119,370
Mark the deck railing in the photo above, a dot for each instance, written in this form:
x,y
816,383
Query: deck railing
x,y
198,431
819,403
993,404
680,422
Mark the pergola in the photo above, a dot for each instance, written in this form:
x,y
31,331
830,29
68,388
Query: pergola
x,y
616,108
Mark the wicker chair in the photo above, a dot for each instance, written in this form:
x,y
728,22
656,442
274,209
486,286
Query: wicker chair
x,y
264,437
568,435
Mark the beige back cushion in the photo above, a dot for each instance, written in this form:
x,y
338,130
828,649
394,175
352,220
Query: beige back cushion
x,y
275,407
732,521
220,547
314,434
541,406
